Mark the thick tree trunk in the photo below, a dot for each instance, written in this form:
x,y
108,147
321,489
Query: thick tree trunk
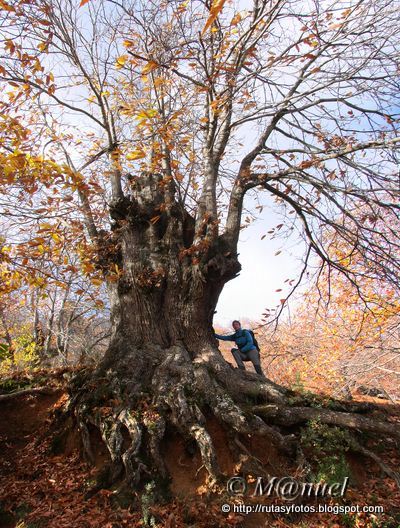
x,y
162,343
168,286
163,366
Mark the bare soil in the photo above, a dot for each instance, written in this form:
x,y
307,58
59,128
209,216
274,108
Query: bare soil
x,y
41,489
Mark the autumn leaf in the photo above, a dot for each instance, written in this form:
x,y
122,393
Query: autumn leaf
x,y
120,62
136,154
236,19
83,2
150,66
215,10
147,114
5,6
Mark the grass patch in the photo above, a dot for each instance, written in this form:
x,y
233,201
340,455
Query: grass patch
x,y
327,447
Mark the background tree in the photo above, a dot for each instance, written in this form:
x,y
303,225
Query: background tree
x,y
153,121
339,335
64,320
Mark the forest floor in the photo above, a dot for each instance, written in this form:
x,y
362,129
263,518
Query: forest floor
x,y
41,487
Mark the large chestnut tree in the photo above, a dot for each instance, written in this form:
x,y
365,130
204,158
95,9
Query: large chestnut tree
x,y
131,133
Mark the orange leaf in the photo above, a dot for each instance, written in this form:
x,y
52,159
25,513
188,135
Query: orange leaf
x,y
215,9
236,19
150,66
121,61
5,6
306,164
83,2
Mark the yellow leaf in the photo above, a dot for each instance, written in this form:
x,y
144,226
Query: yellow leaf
x,y
215,9
146,114
87,267
150,66
159,81
136,154
182,8
39,281
121,61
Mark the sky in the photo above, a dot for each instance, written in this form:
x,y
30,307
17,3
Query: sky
x,y
263,272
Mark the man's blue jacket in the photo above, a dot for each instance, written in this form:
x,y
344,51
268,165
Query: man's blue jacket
x,y
242,338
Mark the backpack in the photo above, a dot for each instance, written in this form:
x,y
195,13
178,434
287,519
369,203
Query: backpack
x,y
254,340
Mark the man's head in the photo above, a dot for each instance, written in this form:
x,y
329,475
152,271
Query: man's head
x,y
236,325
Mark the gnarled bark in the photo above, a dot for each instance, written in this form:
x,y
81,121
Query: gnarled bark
x,y
163,368
295,415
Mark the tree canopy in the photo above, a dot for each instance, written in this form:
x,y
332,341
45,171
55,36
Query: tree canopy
x,y
130,134
217,98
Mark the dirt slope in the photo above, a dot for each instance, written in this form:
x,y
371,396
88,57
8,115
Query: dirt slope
x,y
41,489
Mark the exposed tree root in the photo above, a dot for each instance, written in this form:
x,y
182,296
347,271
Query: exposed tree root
x,y
385,468
242,382
228,412
133,414
27,392
134,467
85,436
156,428
294,415
207,451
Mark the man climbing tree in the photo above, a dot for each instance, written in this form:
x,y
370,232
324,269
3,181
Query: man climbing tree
x,y
124,123
246,351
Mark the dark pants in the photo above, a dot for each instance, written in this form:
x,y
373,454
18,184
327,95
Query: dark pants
x,y
252,355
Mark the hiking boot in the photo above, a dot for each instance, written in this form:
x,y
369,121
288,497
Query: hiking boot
x,y
259,370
